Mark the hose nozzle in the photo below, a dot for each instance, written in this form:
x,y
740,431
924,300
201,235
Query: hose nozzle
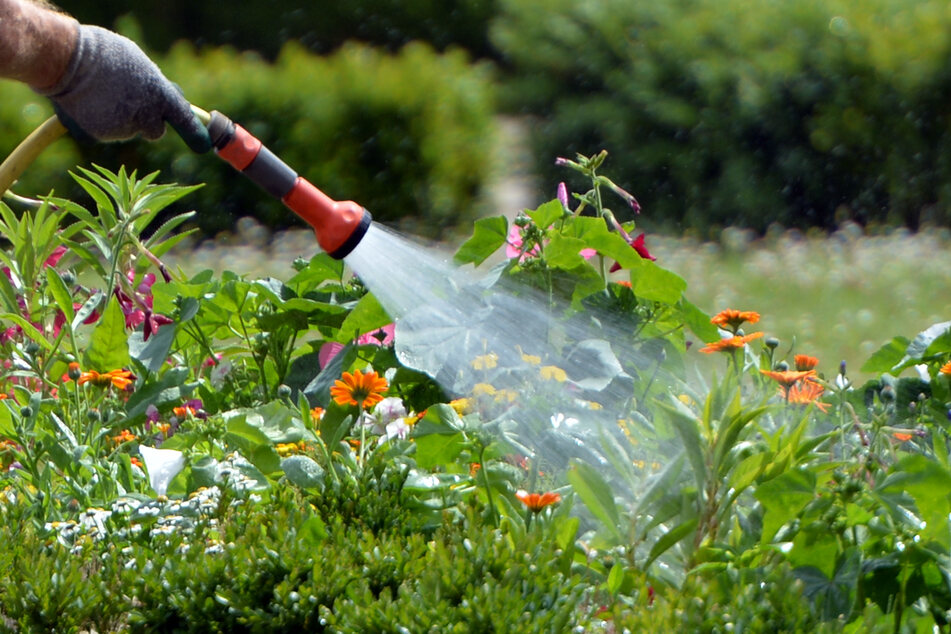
x,y
339,225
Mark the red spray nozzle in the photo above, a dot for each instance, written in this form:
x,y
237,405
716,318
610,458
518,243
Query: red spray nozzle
x,y
339,226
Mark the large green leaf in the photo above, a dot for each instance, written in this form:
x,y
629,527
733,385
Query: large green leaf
x,y
783,498
655,283
488,235
929,484
670,539
368,315
596,494
109,347
547,213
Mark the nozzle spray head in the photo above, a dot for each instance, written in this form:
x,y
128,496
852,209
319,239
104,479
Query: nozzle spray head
x,y
339,225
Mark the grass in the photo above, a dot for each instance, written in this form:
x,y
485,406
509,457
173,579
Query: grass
x,y
837,297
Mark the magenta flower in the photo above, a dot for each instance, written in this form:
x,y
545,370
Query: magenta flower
x,y
514,242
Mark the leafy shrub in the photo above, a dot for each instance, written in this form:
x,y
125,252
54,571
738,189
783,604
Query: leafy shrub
x,y
264,27
408,136
744,112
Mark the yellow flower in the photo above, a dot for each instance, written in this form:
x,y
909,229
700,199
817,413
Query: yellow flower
x,y
485,361
480,389
509,396
530,359
363,390
553,373
462,406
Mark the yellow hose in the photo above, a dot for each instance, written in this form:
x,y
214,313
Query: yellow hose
x,y
31,147
38,140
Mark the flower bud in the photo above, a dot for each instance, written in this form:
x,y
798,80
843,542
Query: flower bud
x,y
299,264
771,342
782,366
887,394
283,390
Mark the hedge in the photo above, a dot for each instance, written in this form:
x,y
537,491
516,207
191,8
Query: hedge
x,y
744,112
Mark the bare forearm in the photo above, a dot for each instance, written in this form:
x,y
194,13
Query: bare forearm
x,y
35,42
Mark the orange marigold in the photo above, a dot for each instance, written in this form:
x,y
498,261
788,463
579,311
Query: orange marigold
x,y
804,393
730,343
537,501
901,436
805,362
363,390
946,368
730,319
788,378
119,378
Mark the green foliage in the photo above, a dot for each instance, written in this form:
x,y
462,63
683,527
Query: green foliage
x,y
264,27
264,459
746,112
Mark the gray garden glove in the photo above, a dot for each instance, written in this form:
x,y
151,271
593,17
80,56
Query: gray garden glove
x,y
112,91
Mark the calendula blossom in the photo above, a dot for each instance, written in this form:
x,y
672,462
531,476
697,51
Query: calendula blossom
x,y
362,390
730,343
731,319
805,362
119,378
536,502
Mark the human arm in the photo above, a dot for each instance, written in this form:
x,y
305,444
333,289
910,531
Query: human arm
x,y
102,85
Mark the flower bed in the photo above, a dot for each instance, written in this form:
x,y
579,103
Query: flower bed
x,y
214,453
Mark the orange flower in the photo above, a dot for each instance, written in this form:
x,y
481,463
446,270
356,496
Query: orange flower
x,y
804,393
363,390
184,411
901,436
124,436
805,362
788,378
730,343
946,368
120,378
537,501
135,460
730,319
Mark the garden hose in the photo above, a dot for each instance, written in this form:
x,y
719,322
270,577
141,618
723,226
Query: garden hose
x,y
338,225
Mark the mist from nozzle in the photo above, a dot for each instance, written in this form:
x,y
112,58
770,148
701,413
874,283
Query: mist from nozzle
x,y
556,379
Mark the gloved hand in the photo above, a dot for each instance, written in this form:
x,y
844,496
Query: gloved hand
x,y
112,91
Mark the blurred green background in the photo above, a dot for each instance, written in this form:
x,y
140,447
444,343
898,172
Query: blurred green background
x,y
718,115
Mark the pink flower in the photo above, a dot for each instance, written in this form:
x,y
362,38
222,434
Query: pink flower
x,y
383,336
514,242
563,196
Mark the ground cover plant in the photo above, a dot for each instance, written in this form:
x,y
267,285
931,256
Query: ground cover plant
x,y
215,453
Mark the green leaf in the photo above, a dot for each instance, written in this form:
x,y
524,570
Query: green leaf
x,y
615,578
783,498
488,235
596,494
170,389
547,213
304,472
887,357
60,293
567,532
109,346
368,315
929,484
670,539
153,353
434,450
698,321
28,329
312,532
652,282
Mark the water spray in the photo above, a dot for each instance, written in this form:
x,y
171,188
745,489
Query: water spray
x,y
338,225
